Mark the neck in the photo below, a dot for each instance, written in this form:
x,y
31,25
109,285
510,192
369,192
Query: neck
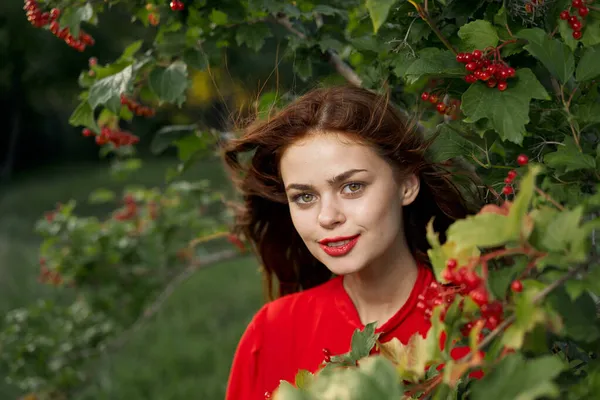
x,y
381,289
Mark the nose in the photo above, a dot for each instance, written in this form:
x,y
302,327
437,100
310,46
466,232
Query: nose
x,y
330,214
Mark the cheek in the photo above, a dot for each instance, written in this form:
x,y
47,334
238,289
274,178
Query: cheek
x,y
301,221
381,216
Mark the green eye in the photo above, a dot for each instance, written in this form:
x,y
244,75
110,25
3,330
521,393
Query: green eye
x,y
306,198
354,187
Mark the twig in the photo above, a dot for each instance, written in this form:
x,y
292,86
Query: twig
x,y
539,297
427,18
550,199
335,60
156,305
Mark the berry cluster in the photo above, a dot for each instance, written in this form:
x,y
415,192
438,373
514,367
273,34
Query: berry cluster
x,y
153,15
137,108
38,18
130,210
48,276
116,137
574,22
522,160
452,109
177,5
494,72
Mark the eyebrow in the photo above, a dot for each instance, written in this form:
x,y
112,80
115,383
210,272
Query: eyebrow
x,y
332,182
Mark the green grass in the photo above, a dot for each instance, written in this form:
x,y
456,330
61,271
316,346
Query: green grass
x,y
185,350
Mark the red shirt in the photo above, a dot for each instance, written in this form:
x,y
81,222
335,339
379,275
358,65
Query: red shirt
x,y
290,333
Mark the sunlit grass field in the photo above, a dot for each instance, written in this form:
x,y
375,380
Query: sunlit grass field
x,y
185,350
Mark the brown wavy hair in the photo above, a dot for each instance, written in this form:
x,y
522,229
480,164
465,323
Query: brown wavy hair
x,y
264,217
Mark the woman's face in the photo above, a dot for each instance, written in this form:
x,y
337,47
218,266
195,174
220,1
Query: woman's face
x,y
344,201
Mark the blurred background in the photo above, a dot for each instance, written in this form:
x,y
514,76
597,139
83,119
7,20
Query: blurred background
x,y
185,350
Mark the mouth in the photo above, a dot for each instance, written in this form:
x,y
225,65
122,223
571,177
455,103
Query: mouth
x,y
338,246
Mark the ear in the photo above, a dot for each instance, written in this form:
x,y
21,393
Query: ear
x,y
410,189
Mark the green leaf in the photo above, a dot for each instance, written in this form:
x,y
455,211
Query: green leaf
x,y
577,316
171,83
567,34
73,17
522,202
482,230
169,134
568,158
303,379
101,196
303,67
378,11
500,280
589,64
218,17
587,113
84,116
252,36
478,34
130,51
554,54
515,378
449,144
189,146
196,59
562,230
434,61
591,32
507,111
108,91
363,341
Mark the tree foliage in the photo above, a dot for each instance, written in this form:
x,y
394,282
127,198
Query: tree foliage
x,y
508,86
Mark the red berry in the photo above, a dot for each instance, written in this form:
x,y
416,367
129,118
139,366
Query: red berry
x,y
576,26
502,86
177,5
583,11
424,96
491,83
512,174
511,72
467,58
93,61
573,19
477,54
441,108
87,132
577,3
485,75
433,98
470,78
327,355
516,286
564,15
577,35
451,263
491,323
507,190
480,296
522,159
471,66
267,395
54,13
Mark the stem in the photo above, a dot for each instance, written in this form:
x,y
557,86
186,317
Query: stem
x,y
341,67
561,95
427,18
539,297
550,199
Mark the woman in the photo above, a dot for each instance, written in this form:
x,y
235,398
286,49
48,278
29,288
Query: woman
x,y
337,198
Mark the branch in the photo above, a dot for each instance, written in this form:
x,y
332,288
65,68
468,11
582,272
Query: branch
x,y
334,59
157,304
539,297
427,18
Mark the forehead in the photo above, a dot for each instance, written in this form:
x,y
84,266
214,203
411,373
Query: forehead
x,y
319,156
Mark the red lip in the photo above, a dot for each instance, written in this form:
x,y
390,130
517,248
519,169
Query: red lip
x,y
336,239
339,251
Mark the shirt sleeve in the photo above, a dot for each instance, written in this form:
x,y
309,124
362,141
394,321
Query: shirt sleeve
x,y
245,381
